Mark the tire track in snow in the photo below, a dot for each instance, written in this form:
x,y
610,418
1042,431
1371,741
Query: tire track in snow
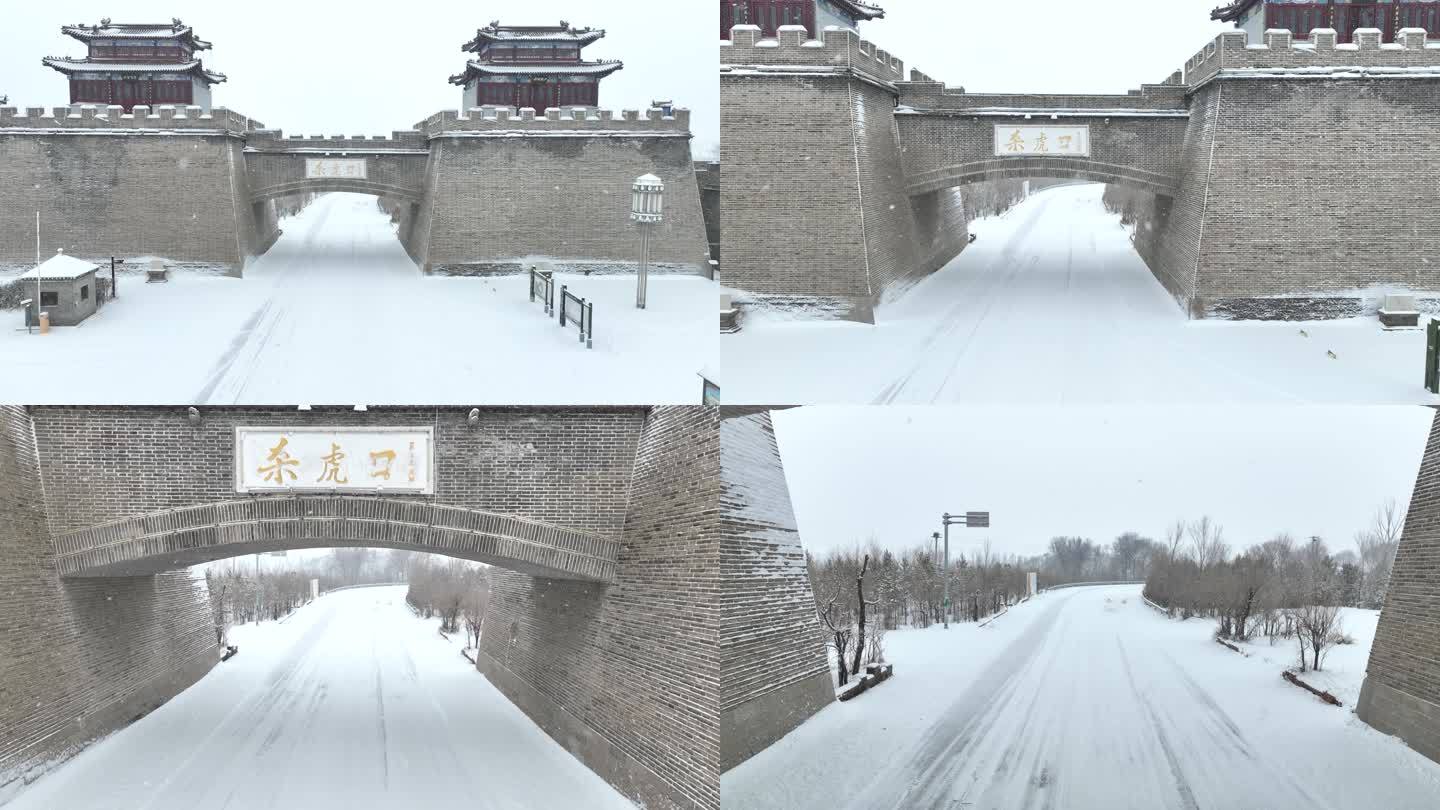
x,y
929,769
1006,267
1182,784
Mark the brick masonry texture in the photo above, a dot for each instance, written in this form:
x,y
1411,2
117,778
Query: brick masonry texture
x,y
624,674
565,467
636,664
774,672
1279,187
79,659
814,192
486,190
1401,694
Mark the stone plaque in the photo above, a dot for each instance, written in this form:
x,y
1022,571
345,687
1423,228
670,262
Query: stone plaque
x,y
335,459
349,169
1012,140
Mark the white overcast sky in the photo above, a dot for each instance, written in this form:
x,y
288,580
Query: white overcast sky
x,y
365,67
1094,472
1056,46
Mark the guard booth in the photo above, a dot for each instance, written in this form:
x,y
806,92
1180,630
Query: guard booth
x,y
67,289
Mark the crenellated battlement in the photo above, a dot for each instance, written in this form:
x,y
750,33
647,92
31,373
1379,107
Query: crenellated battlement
x,y
1321,55
157,119
274,140
838,49
567,121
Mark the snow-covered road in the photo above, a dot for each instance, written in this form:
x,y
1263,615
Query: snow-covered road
x,y
352,703
1082,699
1052,305
336,312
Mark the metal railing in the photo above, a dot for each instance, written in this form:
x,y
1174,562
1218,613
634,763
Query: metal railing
x,y
573,309
1089,584
542,288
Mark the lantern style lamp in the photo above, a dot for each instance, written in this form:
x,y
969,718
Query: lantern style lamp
x,y
646,205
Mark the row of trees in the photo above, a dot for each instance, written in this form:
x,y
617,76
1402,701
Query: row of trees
x,y
458,591
242,591
1281,588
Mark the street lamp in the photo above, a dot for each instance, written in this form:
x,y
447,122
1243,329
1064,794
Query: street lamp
x,y
646,205
973,520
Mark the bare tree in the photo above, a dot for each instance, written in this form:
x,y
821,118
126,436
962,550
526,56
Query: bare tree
x,y
1207,540
863,603
839,638
1376,545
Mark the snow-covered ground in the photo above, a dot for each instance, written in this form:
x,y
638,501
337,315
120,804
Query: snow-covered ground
x,y
351,703
336,312
1079,699
1052,305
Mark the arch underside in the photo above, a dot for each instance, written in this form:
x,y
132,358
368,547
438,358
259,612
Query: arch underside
x,y
171,539
1035,168
329,184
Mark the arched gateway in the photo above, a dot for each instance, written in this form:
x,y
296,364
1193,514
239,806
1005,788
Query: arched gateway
x,y
1259,159
601,523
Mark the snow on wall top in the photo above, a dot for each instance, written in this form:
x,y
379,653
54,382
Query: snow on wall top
x,y
838,49
274,140
1280,54
769,632
562,121
89,116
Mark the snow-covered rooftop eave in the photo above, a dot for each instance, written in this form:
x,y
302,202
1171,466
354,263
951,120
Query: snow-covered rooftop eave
x,y
577,37
1233,11
67,66
863,11
85,33
597,69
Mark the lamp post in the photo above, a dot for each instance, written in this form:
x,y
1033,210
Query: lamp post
x,y
973,520
646,200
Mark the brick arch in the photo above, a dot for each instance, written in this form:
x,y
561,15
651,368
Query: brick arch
x,y
329,184
174,538
1036,168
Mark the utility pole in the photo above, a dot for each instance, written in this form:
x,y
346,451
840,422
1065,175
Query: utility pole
x,y
972,520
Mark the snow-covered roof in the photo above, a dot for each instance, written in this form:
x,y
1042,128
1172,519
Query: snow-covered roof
x,y
861,11
596,69
67,65
109,30
60,267
495,32
1232,11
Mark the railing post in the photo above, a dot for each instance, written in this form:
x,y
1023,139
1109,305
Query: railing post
x,y
563,288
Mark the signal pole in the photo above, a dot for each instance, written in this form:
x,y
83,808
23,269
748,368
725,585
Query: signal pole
x,y
972,520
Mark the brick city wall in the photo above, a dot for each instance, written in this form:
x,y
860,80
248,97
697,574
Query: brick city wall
x,y
811,157
946,149
490,189
566,467
708,177
1401,693
94,175
1278,53
626,677
1296,225
504,188
1284,174
774,673
82,658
